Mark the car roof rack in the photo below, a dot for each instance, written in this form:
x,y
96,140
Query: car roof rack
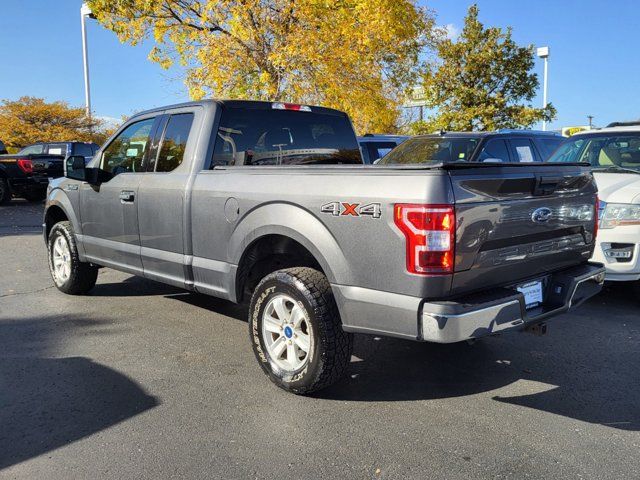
x,y
526,131
632,123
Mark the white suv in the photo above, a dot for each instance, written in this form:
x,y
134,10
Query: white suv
x,y
614,153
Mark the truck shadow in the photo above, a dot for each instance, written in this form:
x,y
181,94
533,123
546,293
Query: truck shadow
x,y
586,367
47,402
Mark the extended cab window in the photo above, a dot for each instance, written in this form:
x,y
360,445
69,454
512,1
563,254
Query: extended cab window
x,y
284,137
174,142
126,151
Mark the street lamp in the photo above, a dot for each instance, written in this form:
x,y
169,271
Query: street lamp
x,y
543,52
85,11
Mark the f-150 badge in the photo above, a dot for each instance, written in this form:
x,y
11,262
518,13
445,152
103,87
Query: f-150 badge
x,y
346,209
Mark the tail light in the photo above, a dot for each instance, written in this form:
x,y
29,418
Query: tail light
x,y
597,218
25,165
430,234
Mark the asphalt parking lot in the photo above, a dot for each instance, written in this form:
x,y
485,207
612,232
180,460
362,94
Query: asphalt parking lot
x,y
141,380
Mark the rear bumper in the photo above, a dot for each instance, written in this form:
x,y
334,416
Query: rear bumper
x,y
27,184
503,309
383,313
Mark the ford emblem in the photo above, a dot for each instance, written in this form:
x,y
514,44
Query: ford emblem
x,y
541,215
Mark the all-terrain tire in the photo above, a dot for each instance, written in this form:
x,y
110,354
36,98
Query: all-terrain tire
x,y
82,276
331,347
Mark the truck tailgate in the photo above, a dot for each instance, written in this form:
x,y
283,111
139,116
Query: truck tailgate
x,y
516,222
48,165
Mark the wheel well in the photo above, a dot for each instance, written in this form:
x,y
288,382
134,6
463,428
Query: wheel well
x,y
54,215
266,255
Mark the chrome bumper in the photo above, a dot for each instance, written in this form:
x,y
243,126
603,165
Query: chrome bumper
x,y
487,313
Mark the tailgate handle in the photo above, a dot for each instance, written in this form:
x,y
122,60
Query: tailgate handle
x,y
546,185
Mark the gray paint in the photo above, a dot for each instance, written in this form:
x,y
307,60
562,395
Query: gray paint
x,y
190,227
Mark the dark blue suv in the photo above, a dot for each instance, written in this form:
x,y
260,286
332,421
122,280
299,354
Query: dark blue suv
x,y
495,146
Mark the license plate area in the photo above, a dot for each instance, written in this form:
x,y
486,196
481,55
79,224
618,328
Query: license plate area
x,y
532,292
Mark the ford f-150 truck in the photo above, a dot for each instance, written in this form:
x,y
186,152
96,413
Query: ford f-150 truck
x,y
270,202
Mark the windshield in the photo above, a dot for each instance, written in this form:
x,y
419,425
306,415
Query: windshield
x,y
284,137
603,152
431,150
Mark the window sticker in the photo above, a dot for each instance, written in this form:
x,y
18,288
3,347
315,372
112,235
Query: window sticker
x,y
525,154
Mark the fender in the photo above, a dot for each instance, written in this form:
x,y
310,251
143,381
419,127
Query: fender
x,y
59,198
298,224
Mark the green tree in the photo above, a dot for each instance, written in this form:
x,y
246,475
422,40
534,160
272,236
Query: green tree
x,y
29,119
481,81
356,55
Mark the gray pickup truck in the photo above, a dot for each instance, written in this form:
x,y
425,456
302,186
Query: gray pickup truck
x,y
270,202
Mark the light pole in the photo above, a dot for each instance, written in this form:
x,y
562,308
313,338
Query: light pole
x,y
85,11
543,52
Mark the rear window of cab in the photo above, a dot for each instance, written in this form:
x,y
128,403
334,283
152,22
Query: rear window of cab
x,y
284,137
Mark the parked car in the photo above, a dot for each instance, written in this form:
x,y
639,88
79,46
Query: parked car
x,y
504,146
26,174
3,149
240,199
614,156
374,147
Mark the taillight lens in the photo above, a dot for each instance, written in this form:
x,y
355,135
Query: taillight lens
x,y
597,218
25,165
430,234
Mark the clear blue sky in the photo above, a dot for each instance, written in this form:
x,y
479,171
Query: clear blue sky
x,y
594,67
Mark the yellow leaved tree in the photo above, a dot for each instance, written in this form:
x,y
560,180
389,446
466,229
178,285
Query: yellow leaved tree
x,y
360,56
28,120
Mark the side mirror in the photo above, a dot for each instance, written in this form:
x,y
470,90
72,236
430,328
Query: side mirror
x,y
75,168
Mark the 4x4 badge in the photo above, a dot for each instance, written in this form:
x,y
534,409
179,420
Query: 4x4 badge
x,y
346,209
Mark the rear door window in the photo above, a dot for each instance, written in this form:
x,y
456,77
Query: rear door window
x,y
174,142
494,150
263,136
522,150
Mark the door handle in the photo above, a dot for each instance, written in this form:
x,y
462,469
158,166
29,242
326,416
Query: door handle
x,y
127,196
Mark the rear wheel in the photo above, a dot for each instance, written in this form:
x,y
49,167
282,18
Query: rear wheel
x,y
69,274
5,191
296,332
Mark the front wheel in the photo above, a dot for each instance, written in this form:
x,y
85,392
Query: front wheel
x,y
296,332
69,274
